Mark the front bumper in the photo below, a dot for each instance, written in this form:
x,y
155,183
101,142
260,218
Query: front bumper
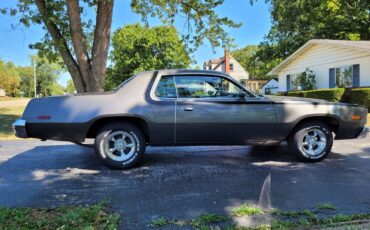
x,y
363,134
19,127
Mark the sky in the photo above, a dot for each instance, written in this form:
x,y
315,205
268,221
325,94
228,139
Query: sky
x,y
255,25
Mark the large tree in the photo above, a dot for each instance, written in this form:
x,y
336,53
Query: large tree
x,y
137,48
83,43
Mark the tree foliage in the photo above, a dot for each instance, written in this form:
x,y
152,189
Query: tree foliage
x,y
70,88
17,80
82,42
250,61
137,48
47,75
9,78
296,22
26,81
201,20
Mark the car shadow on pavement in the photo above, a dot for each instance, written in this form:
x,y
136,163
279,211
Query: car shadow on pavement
x,y
255,155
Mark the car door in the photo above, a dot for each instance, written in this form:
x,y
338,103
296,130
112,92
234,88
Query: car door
x,y
160,110
215,110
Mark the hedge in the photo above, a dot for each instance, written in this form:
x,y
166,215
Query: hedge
x,y
325,94
296,93
360,96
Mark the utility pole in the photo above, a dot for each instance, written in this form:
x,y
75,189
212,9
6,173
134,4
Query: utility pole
x,y
34,75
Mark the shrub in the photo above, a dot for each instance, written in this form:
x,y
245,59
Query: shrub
x,y
360,96
296,93
307,80
334,95
281,94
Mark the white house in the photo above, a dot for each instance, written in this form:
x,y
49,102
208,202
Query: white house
x,y
270,87
2,93
229,65
335,63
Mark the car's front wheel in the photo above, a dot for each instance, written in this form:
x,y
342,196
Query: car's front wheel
x,y
120,145
311,141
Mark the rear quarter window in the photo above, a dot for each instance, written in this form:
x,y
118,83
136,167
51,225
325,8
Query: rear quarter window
x,y
166,87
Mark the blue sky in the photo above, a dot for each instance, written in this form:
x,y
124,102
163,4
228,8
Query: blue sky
x,y
255,24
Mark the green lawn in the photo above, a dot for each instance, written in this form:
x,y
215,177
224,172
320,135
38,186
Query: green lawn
x,y
7,117
78,217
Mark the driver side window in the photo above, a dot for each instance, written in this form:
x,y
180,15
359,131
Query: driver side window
x,y
206,87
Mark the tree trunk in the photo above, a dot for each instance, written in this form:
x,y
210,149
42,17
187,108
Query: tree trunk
x,y
101,43
78,41
88,74
62,47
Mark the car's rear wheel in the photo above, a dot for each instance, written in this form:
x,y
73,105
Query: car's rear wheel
x,y
311,141
120,145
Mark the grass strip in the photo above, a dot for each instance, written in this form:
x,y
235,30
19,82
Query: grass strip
x,y
75,217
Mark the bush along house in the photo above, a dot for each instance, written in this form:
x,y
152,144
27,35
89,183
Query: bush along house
x,y
333,63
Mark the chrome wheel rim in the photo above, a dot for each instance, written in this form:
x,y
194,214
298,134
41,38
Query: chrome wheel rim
x,y
313,143
120,146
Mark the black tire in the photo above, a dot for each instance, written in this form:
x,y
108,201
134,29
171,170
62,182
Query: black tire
x,y
303,134
136,152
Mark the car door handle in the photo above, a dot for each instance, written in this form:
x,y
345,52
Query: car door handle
x,y
188,108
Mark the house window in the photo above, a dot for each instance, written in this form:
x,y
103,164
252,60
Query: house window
x,y
210,67
295,83
344,76
231,67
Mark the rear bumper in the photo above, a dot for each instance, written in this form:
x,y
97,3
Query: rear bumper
x,y
19,127
363,134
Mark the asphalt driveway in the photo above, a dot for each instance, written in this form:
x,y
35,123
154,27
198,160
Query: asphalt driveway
x,y
183,182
